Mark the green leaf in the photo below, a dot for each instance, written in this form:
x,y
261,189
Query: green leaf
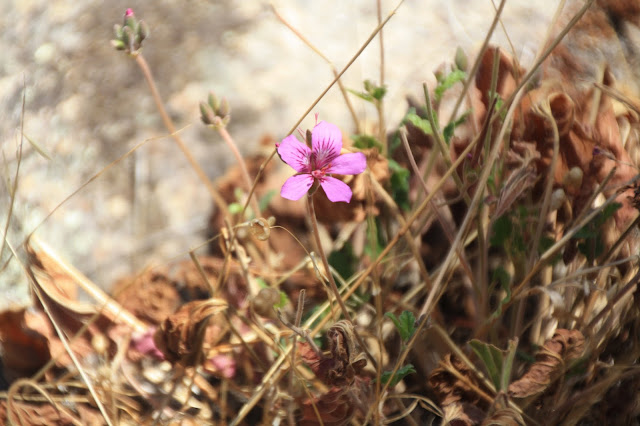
x,y
344,261
503,278
399,185
405,324
492,358
449,128
284,300
446,82
379,92
235,208
502,230
508,364
421,123
400,374
263,203
365,142
362,95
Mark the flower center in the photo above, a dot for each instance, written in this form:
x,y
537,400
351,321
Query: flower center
x,y
319,173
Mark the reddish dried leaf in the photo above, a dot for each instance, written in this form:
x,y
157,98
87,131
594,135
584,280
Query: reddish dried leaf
x,y
557,352
342,363
181,337
25,345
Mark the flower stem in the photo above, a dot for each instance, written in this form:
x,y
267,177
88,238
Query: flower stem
x,y
243,168
325,262
168,123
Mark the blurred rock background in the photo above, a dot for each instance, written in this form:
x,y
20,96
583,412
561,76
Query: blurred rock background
x,y
87,105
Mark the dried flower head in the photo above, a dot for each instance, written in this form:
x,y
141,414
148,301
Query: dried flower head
x,y
316,165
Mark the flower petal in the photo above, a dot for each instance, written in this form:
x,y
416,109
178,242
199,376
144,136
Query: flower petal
x,y
296,186
326,141
348,164
336,189
295,153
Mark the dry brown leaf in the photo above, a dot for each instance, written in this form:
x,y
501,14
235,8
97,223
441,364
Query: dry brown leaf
x,y
24,339
551,361
448,388
189,333
342,363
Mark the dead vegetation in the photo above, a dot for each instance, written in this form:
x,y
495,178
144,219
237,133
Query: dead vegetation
x,y
488,259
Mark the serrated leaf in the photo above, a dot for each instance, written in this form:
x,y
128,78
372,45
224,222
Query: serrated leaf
x,y
399,185
421,123
405,324
449,128
491,357
400,374
365,142
362,95
447,82
40,149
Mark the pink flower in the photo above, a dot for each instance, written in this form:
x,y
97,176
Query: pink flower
x,y
319,163
128,13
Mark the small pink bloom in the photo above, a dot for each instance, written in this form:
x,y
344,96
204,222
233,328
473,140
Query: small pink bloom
x,y
319,163
128,13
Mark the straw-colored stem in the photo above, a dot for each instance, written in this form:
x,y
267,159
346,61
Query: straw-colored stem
x,y
325,262
168,123
226,137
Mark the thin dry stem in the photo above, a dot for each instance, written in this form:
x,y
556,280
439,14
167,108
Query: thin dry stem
x,y
306,41
146,71
226,137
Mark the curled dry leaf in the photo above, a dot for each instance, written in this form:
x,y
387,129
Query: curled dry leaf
x,y
453,384
189,333
342,363
557,352
340,368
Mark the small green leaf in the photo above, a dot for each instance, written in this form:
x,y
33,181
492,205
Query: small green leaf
x,y
344,261
284,300
235,208
379,92
421,123
508,364
362,95
399,185
491,357
266,199
365,142
400,374
446,82
449,128
405,324
502,230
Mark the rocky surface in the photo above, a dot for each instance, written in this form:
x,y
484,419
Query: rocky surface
x,y
87,105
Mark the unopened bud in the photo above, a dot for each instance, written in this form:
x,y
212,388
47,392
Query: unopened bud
x,y
206,113
224,109
461,59
214,102
572,181
143,31
558,197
